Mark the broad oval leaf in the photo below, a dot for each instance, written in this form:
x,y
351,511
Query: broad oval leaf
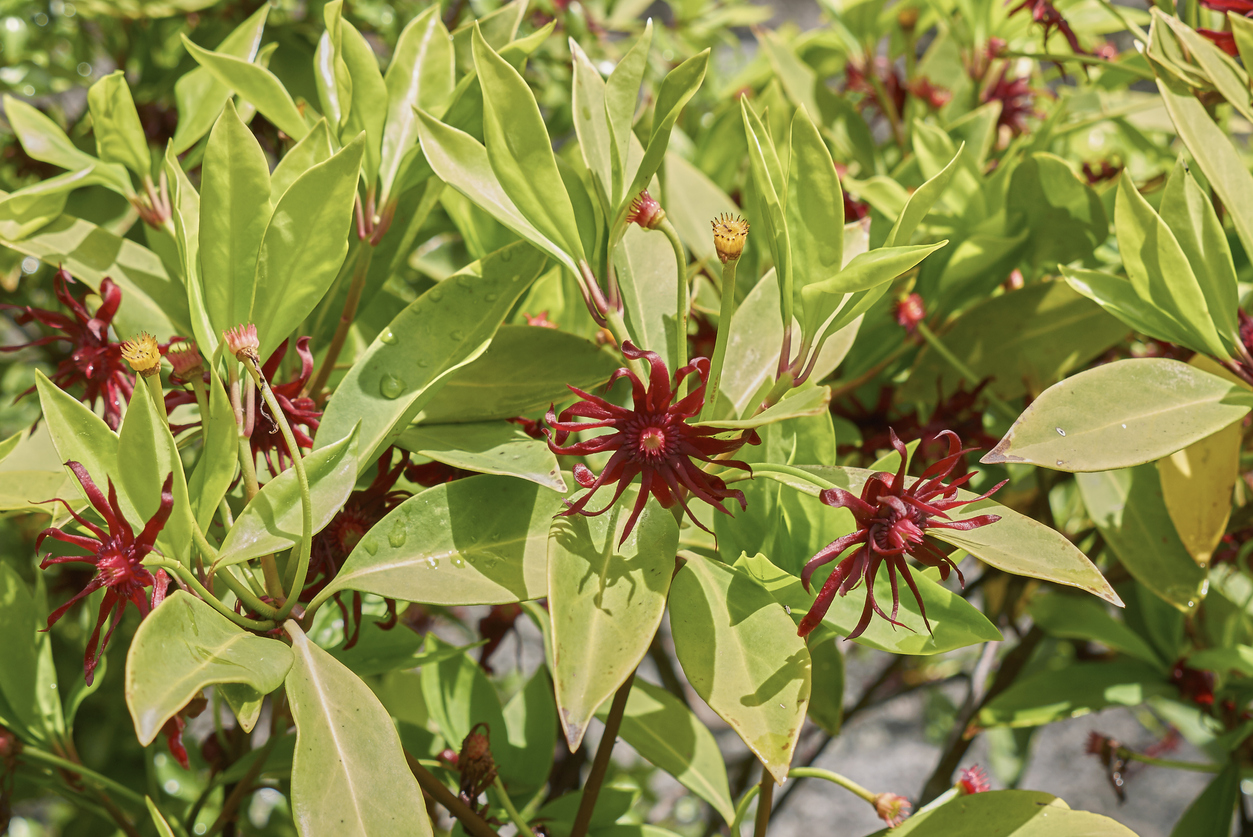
x,y
1121,414
115,122
1073,690
481,540
1079,617
441,331
271,522
740,651
487,448
1007,813
349,775
256,84
184,646
146,455
606,602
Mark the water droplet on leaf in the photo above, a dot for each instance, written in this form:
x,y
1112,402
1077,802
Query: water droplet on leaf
x,y
370,545
458,334
391,386
387,337
397,535
1061,432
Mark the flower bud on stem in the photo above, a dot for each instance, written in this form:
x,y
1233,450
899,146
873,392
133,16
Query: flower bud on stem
x,y
725,312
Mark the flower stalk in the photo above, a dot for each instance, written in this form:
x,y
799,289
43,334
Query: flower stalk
x,y
600,764
682,301
360,270
730,235
965,371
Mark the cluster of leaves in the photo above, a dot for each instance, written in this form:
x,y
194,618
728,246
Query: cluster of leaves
x,y
342,304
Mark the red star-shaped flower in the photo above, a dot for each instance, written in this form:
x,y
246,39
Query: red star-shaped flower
x,y
118,558
1045,13
94,361
1017,98
651,440
892,520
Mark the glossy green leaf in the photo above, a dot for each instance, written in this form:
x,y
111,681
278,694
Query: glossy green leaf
x,y
1118,296
163,827
369,97
82,436
531,720
807,400
32,208
331,76
185,217
316,148
1159,269
520,152
254,83
1211,813
621,98
1074,689
44,140
591,123
1080,617
676,90
955,623
1127,507
234,210
271,521
1007,813
770,189
1121,414
460,161
664,731
523,371
19,622
826,702
185,646
922,201
646,274
33,472
1024,340
215,469
200,96
420,75
443,330
487,448
380,649
481,540
1016,543
304,245
741,654
1047,195
692,200
1197,483
115,122
348,754
606,602
814,213
146,456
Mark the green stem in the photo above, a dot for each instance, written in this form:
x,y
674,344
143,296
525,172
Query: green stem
x,y
835,778
153,385
768,468
1194,767
240,589
764,803
886,104
617,327
725,312
306,501
514,817
35,754
1082,59
189,578
471,821
965,371
682,303
360,270
741,809
600,764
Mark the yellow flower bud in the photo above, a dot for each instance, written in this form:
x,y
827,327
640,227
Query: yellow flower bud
x,y
143,354
729,237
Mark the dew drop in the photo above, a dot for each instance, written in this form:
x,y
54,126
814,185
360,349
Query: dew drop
x,y
396,537
465,282
1124,427
506,255
1061,432
432,562
387,337
436,294
458,562
423,362
788,609
391,386
458,334
370,545
493,297
1059,462
586,111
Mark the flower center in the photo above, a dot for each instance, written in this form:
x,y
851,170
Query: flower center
x,y
653,439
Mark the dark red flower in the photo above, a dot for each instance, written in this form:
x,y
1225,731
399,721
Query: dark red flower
x,y
1194,685
530,427
651,440
1226,41
646,212
1017,98
1045,13
892,521
909,312
118,558
494,627
854,210
434,473
934,96
540,320
1240,7
1106,749
94,361
1100,173
333,545
857,81
974,779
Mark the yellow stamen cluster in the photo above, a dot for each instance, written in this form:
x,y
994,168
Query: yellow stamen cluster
x,y
730,233
143,354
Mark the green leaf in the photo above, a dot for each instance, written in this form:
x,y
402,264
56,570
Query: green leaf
x,y
331,75
348,754
1079,617
44,140
185,216
234,211
481,540
460,161
163,827
1127,507
369,97
1072,690
826,703
29,210
1159,270
1047,196
606,601
1118,296
741,654
808,400
1015,544
646,274
19,623
1211,813
677,89
531,720
146,456
692,200
316,148
621,94
443,330
200,96
921,201
184,646
520,151
420,75
82,436
379,649
1121,414
1024,340
487,448
1007,813
215,470
591,123
271,521
304,245
115,122
770,188
814,212
256,84
523,371
664,731
955,623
